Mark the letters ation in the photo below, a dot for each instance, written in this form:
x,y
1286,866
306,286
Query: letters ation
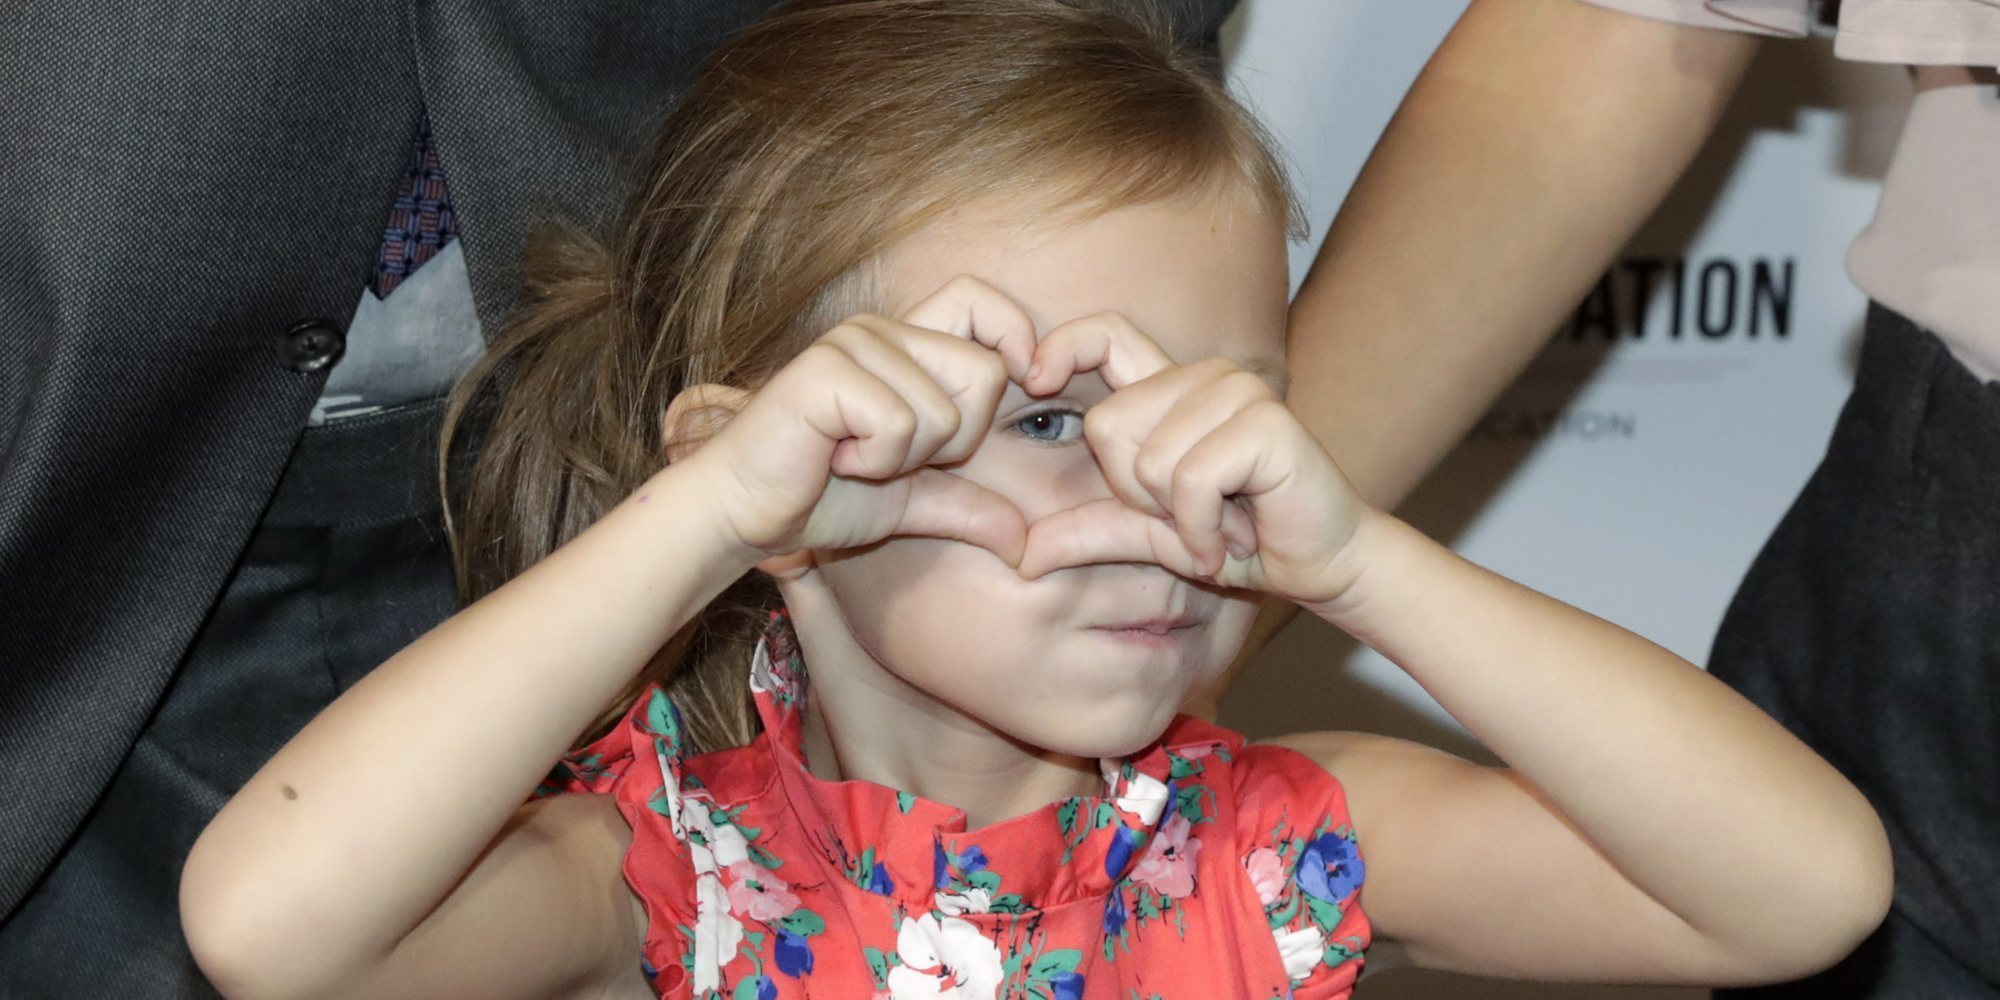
x,y
1718,298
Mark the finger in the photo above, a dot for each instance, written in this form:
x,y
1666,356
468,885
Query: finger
x,y
1187,405
969,308
1124,431
878,347
1103,531
1239,532
943,505
1200,502
869,424
1104,342
1233,461
971,377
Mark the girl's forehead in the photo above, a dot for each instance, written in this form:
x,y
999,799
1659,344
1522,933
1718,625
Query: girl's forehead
x,y
1205,276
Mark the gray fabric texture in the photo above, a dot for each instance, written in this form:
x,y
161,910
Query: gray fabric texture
x,y
180,186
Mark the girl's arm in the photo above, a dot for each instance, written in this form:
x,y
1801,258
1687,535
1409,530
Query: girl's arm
x,y
384,850
1655,827
311,880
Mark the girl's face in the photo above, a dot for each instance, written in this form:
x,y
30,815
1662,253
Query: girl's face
x,y
949,630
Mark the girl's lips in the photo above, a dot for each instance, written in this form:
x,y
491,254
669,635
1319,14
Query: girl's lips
x,y
1156,633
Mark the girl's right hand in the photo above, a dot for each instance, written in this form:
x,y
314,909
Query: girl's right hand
x,y
842,447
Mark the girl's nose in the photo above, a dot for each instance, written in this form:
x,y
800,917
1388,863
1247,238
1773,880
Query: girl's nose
x,y
1059,483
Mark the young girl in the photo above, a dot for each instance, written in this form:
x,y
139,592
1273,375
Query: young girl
x,y
1004,534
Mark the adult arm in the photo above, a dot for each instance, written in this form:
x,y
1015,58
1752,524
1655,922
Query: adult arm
x,y
1533,144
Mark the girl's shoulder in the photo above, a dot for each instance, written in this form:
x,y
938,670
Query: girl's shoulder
x,y
1266,780
1296,842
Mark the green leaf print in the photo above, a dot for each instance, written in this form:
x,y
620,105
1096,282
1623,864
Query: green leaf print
x,y
745,990
1340,951
1066,815
879,964
984,879
1010,965
905,802
1324,914
1054,963
1187,802
1286,908
662,721
803,922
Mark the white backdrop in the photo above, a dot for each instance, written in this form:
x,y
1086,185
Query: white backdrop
x,y
1637,468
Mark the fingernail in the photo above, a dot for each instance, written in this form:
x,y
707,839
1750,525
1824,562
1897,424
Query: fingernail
x,y
1237,550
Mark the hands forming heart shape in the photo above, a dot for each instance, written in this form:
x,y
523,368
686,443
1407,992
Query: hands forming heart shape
x,y
1212,476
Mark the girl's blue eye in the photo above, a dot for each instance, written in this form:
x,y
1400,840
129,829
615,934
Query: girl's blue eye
x,y
1051,426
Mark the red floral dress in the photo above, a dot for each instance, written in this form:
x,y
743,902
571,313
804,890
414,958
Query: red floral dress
x,y
1208,869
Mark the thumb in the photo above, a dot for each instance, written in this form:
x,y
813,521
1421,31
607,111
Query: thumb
x,y
942,505
1104,531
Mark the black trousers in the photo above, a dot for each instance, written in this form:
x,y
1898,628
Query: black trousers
x,y
1870,626
347,567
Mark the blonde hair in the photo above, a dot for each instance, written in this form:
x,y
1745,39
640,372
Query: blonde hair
x,y
807,146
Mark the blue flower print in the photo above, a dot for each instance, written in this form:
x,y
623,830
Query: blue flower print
x,y
879,882
971,862
795,957
1120,853
1066,986
1114,914
1331,868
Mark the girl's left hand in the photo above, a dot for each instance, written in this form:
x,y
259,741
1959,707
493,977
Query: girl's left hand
x,y
1214,478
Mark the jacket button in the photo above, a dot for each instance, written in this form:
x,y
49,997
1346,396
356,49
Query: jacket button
x,y
312,344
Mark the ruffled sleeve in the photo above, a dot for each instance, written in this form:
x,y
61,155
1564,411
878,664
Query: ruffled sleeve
x,y
1298,847
673,853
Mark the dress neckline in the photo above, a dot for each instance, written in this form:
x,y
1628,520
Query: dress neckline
x,y
1100,837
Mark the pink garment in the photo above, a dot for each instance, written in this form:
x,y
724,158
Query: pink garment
x,y
1932,252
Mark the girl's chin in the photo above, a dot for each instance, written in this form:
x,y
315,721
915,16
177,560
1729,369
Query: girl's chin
x,y
1100,737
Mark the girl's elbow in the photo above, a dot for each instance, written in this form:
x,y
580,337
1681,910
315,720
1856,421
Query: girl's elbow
x,y
229,930
1848,895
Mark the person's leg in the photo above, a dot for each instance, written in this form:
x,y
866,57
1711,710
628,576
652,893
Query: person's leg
x,y
1870,626
347,566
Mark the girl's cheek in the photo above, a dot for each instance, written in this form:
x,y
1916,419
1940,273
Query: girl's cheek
x,y
1041,480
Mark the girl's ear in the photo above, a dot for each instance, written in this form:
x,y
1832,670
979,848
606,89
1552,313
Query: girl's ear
x,y
697,414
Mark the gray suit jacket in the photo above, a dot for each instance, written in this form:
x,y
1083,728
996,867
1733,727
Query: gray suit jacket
x,y
181,184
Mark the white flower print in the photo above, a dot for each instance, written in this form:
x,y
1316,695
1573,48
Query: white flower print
x,y
1300,950
671,784
944,957
960,903
696,831
719,846
717,933
1145,797
729,845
